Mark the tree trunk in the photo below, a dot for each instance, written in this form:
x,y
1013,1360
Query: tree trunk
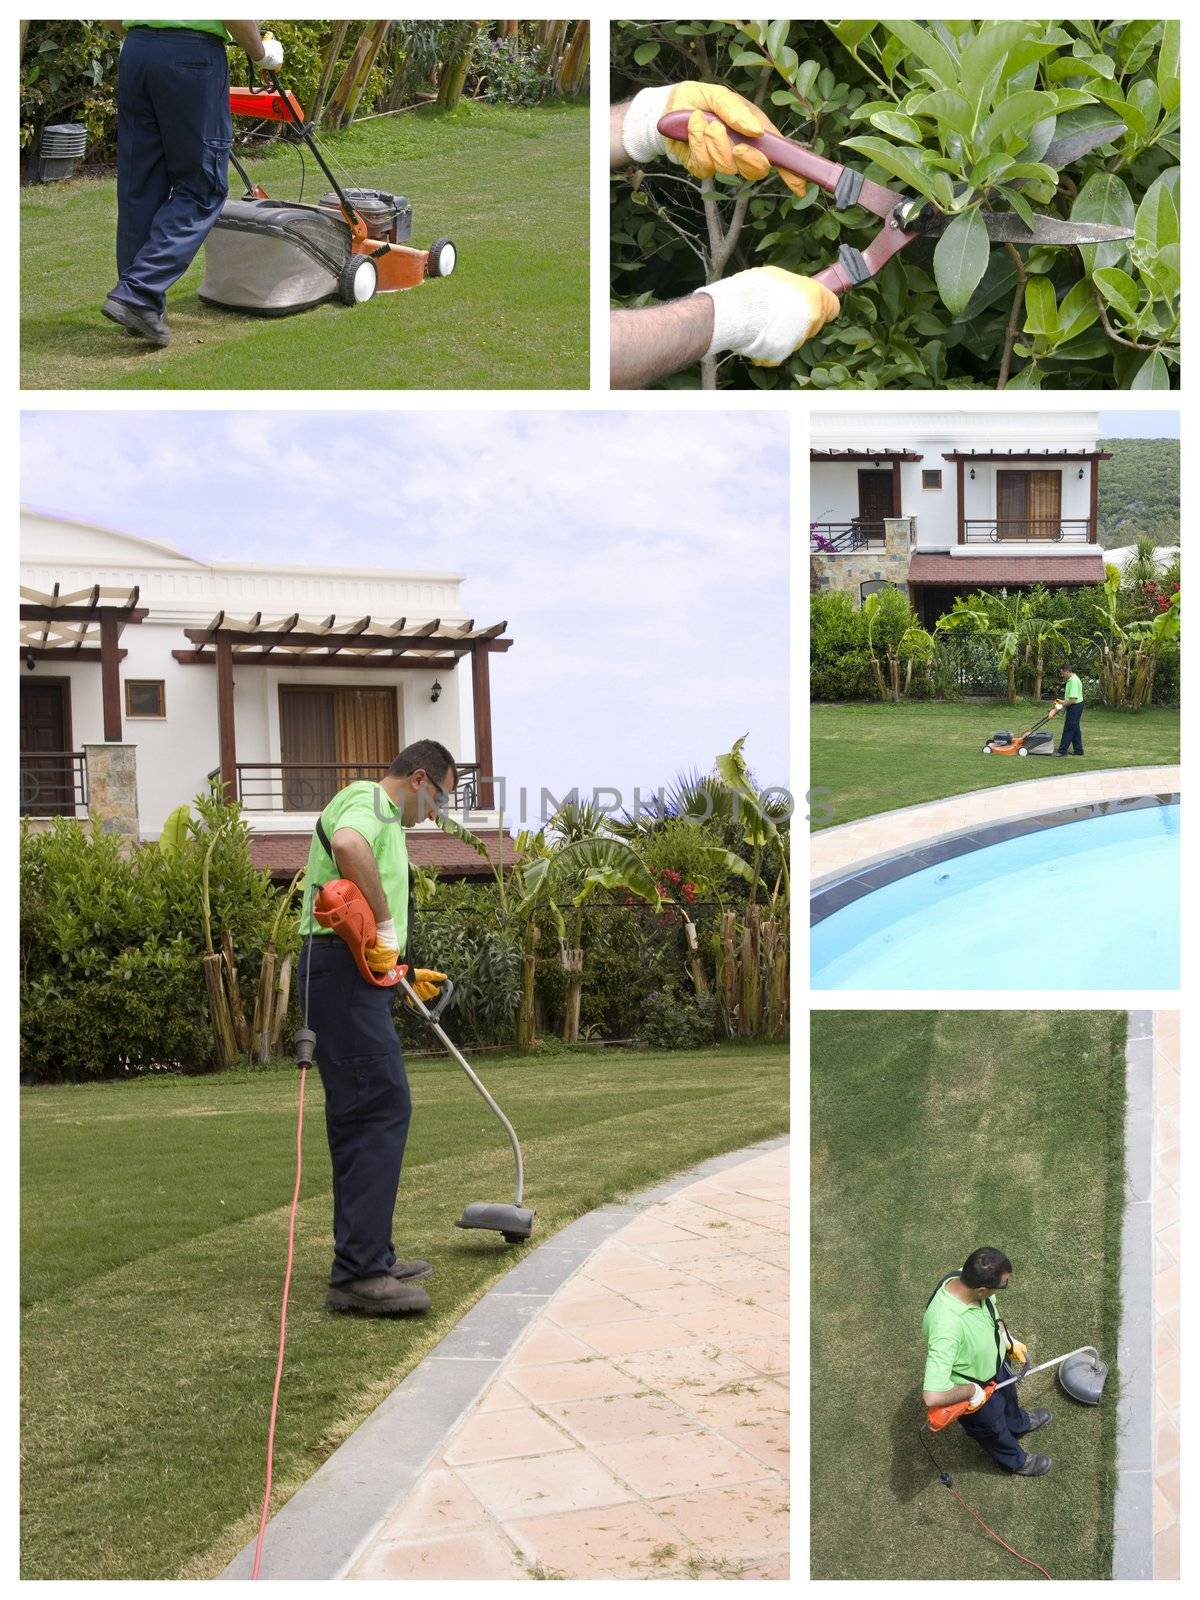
x,y
727,972
264,1006
695,965
283,993
453,75
572,964
573,67
224,1041
233,987
526,1025
749,993
328,67
551,43
354,80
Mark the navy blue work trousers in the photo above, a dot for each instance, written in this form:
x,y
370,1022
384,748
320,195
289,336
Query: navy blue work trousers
x,y
174,130
1072,733
367,1103
999,1424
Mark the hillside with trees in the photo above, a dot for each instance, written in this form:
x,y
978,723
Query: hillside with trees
x,y
1139,491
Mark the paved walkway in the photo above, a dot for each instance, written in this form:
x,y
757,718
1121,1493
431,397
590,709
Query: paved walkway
x,y
640,1428
1166,1204
834,852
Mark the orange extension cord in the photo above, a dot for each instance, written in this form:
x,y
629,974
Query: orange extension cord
x,y
944,1477
283,1311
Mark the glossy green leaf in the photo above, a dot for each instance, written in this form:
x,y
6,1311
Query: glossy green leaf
x,y
645,53
851,34
983,62
1017,114
748,58
1168,65
1041,309
1103,198
897,126
1152,374
1157,221
897,161
919,42
777,33
947,108
1077,312
1118,288
960,259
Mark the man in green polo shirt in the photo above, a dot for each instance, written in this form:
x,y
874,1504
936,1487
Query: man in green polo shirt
x,y
1071,741
360,836
968,1346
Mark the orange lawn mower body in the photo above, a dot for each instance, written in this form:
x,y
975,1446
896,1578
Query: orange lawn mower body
x,y
1032,742
275,257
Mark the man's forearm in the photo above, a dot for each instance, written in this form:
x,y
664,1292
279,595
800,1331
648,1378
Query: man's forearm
x,y
948,1397
247,35
618,156
655,341
356,862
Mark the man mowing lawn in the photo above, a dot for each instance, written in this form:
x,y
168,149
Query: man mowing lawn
x,y
174,130
1072,734
360,836
969,1346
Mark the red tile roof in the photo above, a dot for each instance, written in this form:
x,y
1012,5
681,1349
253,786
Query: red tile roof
x,y
995,571
283,854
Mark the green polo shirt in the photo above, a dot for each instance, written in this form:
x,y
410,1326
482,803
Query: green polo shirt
x,y
219,28
961,1340
364,807
1073,689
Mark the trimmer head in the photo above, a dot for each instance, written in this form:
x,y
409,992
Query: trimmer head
x,y
514,1222
1082,1377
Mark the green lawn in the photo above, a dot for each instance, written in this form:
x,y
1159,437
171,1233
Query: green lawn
x,y
154,1233
934,1133
874,757
508,185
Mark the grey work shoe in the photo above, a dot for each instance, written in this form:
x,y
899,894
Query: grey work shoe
x,y
410,1270
1034,1467
139,320
1037,1419
383,1296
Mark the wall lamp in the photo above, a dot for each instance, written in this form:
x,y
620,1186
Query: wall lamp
x,y
30,663
972,474
435,693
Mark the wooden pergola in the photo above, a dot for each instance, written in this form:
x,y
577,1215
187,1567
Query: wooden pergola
x,y
963,458
877,458
399,646
85,625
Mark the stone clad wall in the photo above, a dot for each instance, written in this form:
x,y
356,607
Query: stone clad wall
x,y
112,788
890,565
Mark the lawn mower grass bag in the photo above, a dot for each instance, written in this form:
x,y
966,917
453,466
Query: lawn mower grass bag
x,y
273,257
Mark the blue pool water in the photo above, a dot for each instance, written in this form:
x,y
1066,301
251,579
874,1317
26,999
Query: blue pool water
x,y
1088,905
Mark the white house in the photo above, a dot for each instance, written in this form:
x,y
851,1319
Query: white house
x,y
146,672
948,502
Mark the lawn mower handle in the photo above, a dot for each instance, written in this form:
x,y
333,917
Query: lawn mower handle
x,y
302,128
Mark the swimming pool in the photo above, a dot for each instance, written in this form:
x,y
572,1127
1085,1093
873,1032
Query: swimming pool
x,y
1080,904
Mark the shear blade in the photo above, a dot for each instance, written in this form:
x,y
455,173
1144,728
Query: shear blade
x,y
1005,227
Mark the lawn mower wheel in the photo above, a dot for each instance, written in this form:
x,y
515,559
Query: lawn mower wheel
x,y
358,280
443,258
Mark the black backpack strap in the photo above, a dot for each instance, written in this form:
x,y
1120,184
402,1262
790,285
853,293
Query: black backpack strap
x,y
323,837
944,1279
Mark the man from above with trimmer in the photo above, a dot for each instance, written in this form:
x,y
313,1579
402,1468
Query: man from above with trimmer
x,y
360,837
764,313
1071,742
969,1348
174,130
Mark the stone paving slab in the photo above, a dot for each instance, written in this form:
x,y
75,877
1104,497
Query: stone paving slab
x,y
639,1429
834,852
506,1449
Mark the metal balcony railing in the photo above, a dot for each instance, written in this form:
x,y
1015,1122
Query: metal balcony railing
x,y
310,786
53,783
1027,530
839,538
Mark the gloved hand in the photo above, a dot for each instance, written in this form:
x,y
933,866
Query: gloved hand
x,y
766,313
426,983
1018,1352
272,56
978,1398
709,149
383,955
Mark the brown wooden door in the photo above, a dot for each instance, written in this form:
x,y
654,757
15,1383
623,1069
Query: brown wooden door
x,y
874,496
307,747
1012,505
367,734
1045,505
47,771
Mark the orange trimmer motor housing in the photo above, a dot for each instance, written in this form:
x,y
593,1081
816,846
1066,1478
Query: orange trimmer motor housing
x,y
940,1417
342,907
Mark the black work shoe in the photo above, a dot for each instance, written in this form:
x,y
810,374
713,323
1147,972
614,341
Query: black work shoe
x,y
410,1270
1034,1467
139,320
383,1296
1037,1419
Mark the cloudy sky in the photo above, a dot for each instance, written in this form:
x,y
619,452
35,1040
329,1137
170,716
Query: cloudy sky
x,y
641,560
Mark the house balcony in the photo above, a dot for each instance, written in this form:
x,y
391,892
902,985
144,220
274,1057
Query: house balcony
x,y
54,783
1027,530
842,538
295,789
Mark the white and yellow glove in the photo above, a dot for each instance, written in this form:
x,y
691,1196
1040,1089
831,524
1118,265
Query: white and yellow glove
x,y
978,1398
709,149
767,313
383,955
426,983
272,57
1018,1351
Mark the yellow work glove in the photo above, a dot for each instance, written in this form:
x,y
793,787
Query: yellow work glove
x,y
767,313
709,148
383,955
1018,1352
426,983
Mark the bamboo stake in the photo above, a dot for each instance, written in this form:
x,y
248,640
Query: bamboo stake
x,y
233,988
334,50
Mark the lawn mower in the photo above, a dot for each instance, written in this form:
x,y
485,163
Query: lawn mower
x,y
274,257
1029,743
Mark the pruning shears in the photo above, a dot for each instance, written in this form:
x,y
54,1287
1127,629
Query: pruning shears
x,y
906,217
